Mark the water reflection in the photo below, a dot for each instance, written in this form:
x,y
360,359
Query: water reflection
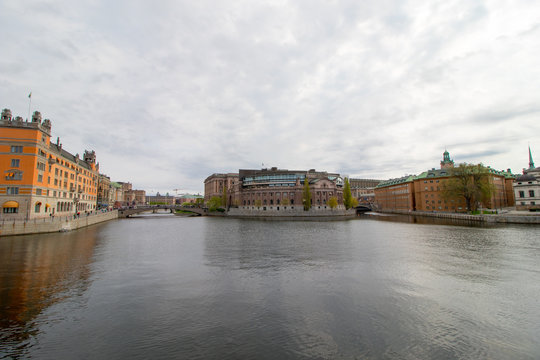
x,y
37,272
211,288
255,244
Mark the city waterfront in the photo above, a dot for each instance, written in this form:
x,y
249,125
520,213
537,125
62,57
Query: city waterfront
x,y
163,286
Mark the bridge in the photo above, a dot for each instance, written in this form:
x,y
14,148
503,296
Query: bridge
x,y
127,212
363,208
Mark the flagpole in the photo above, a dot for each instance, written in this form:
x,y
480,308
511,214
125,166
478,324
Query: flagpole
x,y
29,104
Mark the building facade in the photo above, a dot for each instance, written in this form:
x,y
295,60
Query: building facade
x,y
190,199
364,190
130,196
395,194
424,192
40,178
213,185
527,188
272,189
105,198
159,199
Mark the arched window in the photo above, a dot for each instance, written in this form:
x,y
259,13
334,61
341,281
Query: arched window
x,y
37,207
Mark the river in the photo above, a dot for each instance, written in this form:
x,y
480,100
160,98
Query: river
x,y
163,287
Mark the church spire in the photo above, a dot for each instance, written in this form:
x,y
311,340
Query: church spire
x,y
531,162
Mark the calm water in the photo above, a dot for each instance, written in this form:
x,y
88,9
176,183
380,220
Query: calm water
x,y
161,287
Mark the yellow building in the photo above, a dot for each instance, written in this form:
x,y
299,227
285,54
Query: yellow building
x,y
39,178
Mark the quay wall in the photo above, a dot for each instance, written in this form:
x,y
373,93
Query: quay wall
x,y
56,224
495,218
295,213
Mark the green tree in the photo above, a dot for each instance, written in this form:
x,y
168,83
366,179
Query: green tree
x,y
347,196
470,182
306,196
354,202
214,203
224,197
332,202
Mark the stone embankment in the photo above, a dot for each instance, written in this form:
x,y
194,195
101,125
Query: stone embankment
x,y
505,218
53,224
291,213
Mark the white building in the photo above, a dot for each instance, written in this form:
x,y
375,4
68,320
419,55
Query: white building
x,y
527,188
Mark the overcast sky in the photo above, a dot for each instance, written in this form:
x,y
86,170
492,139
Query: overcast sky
x,y
169,92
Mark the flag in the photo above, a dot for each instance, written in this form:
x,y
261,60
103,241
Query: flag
x,y
30,95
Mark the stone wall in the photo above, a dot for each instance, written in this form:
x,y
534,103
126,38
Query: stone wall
x,y
495,218
47,225
290,213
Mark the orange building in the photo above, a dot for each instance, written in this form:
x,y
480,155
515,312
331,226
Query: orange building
x,y
39,178
424,192
395,194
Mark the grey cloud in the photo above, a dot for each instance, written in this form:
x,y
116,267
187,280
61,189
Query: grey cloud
x,y
178,90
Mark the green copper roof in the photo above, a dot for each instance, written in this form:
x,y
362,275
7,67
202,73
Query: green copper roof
x,y
437,173
401,180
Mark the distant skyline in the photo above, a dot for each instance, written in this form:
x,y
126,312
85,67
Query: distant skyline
x,y
169,92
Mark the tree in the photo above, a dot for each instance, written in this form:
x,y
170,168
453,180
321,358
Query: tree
x,y
332,202
306,195
347,196
224,197
214,203
354,202
470,182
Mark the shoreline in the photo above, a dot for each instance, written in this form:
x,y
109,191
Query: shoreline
x,y
486,218
291,214
50,225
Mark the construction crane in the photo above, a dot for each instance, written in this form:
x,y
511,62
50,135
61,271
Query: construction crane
x,y
176,191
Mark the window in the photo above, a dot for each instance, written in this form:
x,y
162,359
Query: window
x,y
10,210
15,163
531,193
14,175
41,166
38,191
522,194
37,208
16,149
12,190
40,178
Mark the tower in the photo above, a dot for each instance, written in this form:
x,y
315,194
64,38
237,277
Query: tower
x,y
447,162
531,162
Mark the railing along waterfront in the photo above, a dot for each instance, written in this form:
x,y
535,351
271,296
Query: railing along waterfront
x,y
53,223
